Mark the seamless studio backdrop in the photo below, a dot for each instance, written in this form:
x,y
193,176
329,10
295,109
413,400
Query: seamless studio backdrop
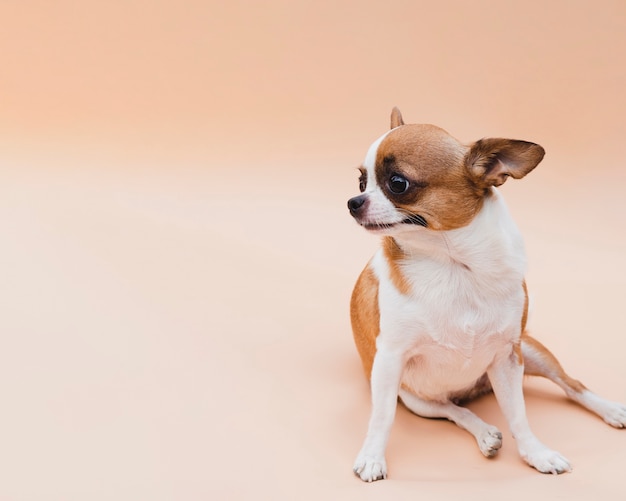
x,y
177,256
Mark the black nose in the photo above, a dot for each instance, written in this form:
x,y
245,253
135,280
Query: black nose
x,y
356,204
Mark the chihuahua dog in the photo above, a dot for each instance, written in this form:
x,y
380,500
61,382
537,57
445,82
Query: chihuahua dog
x,y
439,313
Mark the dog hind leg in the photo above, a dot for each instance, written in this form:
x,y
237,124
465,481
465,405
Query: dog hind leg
x,y
488,437
538,361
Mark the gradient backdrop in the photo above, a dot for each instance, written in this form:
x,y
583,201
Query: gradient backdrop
x,y
177,257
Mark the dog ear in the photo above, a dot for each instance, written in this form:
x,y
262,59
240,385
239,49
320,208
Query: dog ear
x,y
396,118
491,161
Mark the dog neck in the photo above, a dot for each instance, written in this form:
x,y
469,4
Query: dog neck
x,y
486,245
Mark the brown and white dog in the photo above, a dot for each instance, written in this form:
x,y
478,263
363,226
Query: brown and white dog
x,y
439,313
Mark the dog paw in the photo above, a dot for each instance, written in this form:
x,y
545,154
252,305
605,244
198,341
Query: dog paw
x,y
547,461
615,415
369,468
489,441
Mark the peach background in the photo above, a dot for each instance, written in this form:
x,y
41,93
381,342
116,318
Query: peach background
x,y
178,258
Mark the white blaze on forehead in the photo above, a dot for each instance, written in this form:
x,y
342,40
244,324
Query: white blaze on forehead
x,y
370,158
380,210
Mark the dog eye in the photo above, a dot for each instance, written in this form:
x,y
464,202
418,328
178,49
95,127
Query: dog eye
x,y
398,184
362,183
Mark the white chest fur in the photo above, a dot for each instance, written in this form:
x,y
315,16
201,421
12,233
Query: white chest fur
x,y
465,302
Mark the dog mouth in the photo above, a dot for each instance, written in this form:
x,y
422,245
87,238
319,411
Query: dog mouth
x,y
412,219
415,219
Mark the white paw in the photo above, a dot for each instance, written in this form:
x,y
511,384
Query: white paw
x,y
547,461
489,441
370,468
615,415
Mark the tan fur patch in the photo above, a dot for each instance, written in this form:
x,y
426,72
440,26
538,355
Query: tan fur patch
x,y
393,253
548,366
365,317
440,188
525,313
517,351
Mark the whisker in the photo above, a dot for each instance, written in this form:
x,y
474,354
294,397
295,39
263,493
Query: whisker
x,y
413,218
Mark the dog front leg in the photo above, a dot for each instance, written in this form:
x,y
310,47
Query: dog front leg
x,y
370,464
506,375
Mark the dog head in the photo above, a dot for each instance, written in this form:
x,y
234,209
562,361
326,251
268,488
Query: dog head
x,y
418,177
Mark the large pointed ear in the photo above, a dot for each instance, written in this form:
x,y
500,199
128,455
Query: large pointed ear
x,y
491,161
396,118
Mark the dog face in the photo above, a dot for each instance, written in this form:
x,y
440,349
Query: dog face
x,y
419,176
